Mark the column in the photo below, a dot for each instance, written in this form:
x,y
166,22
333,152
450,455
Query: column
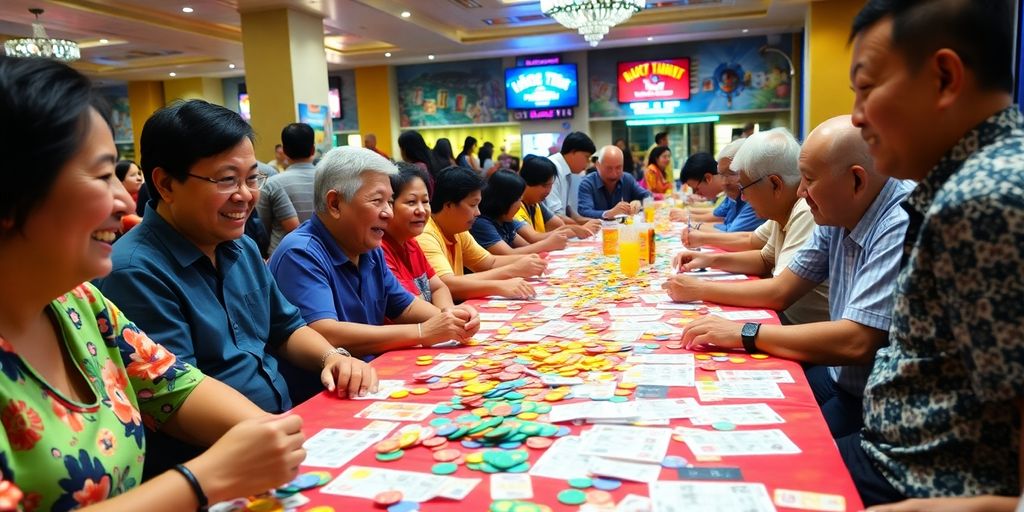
x,y
827,77
144,98
375,88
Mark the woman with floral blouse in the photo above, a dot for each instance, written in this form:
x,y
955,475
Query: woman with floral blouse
x,y
78,381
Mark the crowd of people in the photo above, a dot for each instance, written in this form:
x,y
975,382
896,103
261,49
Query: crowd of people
x,y
890,241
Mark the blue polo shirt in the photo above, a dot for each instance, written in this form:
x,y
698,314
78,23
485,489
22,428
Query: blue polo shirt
x,y
315,275
595,199
738,215
225,320
487,231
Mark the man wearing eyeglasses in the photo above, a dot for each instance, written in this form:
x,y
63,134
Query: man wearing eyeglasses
x,y
196,285
856,246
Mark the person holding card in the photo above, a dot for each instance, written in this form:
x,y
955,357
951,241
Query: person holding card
x,y
855,246
333,268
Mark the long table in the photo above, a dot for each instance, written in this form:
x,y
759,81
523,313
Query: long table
x,y
817,468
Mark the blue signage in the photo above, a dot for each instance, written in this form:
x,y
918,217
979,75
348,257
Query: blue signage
x,y
537,87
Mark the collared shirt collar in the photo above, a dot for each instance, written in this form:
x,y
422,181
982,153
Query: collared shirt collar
x,y
618,184
870,217
793,212
182,249
301,166
338,257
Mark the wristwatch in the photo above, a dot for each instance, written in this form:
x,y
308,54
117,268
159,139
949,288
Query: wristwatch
x,y
329,353
748,334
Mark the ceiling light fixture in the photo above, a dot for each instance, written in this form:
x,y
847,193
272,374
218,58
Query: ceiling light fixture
x,y
406,14
746,30
387,54
650,38
187,10
104,41
431,57
591,18
231,66
41,45
172,73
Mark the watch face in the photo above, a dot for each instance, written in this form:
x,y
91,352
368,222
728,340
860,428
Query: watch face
x,y
749,329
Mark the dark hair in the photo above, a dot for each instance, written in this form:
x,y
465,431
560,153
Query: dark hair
x,y
467,147
121,168
453,184
45,109
415,149
697,166
180,134
298,141
578,141
660,136
537,170
979,31
503,189
406,173
486,153
276,146
628,165
656,152
443,152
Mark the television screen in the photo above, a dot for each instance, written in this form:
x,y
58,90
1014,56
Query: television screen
x,y
654,80
243,106
541,87
334,101
540,144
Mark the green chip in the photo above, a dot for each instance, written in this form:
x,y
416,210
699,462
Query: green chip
x,y
440,422
618,399
572,497
581,483
543,408
388,457
547,430
498,433
519,468
444,468
530,429
723,425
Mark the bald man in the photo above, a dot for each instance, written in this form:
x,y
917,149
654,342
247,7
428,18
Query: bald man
x,y
609,191
856,245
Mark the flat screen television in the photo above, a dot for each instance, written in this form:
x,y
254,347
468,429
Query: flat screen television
x,y
334,101
654,80
535,87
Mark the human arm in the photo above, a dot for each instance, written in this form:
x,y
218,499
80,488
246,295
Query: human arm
x,y
340,374
972,504
587,208
777,293
555,241
744,262
288,225
440,295
742,241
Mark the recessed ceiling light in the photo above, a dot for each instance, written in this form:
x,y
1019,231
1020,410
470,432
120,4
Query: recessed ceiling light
x,y
431,57
104,41
387,54
231,66
650,38
172,73
187,10
746,30
406,14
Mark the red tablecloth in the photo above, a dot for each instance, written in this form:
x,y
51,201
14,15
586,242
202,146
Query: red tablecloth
x,y
818,468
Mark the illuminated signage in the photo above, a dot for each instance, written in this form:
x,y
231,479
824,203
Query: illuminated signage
x,y
650,80
539,87
655,107
545,60
547,113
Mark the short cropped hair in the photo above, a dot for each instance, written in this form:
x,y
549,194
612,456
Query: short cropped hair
x,y
730,149
407,173
769,152
298,141
184,132
342,169
537,170
697,165
979,31
503,189
452,185
578,141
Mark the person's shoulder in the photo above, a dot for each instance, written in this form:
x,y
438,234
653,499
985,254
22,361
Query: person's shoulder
x,y
139,247
990,176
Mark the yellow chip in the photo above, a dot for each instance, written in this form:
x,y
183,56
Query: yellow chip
x,y
737,360
627,385
719,354
553,397
424,363
425,358
475,458
525,416
623,392
702,357
759,356
399,393
419,391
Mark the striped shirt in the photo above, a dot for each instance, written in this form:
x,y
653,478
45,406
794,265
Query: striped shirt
x,y
286,195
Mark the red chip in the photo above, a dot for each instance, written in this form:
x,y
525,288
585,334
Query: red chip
x,y
387,498
539,443
434,442
447,455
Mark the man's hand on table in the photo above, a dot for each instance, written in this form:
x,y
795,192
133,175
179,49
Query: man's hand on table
x,y
529,266
518,288
687,261
469,315
443,327
348,376
677,215
712,330
692,238
623,208
683,288
635,207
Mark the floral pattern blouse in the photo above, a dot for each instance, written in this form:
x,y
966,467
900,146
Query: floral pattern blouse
x,y
61,454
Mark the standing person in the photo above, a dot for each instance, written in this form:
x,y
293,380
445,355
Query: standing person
x,y
80,382
370,142
280,161
466,157
443,153
497,228
571,160
933,99
286,199
657,174
415,151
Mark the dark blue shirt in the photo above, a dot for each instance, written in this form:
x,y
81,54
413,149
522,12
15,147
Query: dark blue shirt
x,y
315,275
738,215
488,231
225,320
595,199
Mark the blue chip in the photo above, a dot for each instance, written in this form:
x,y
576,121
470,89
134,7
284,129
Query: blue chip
x,y
674,462
471,444
306,481
447,430
606,484
404,506
509,445
563,431
433,379
516,409
468,418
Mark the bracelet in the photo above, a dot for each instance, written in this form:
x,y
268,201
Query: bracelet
x,y
329,353
419,330
194,484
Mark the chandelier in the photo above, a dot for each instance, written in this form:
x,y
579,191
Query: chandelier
x,y
592,18
40,45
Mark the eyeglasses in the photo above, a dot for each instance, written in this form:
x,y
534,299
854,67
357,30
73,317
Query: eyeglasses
x,y
231,184
745,187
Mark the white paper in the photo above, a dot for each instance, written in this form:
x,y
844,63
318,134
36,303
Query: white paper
x,y
450,356
742,414
640,444
746,314
396,411
622,336
634,311
443,368
654,298
593,410
673,306
667,408
624,470
511,486
661,359
594,391
384,389
709,391
524,337
496,317
780,376
562,460
456,488
705,443
641,324
683,496
660,375
557,380
335,447
552,313
727,277
491,326
634,503
367,482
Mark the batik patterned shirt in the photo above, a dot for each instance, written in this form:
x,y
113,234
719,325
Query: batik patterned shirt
x,y
940,412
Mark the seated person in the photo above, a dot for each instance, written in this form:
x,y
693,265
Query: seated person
x,y
610,192
768,163
188,277
571,160
450,248
539,173
332,267
497,229
856,244
656,175
727,186
80,384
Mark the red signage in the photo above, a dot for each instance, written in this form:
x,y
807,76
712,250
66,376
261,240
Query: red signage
x,y
650,80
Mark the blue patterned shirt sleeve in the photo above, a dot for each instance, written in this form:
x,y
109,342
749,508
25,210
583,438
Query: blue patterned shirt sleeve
x,y
811,261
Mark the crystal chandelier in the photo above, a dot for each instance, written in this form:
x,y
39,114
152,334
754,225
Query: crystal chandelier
x,y
40,45
592,18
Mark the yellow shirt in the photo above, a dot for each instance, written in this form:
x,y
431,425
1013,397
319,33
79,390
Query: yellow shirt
x,y
537,221
450,256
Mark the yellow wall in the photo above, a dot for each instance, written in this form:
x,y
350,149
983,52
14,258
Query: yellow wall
x,y
202,88
144,98
372,101
498,135
828,91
